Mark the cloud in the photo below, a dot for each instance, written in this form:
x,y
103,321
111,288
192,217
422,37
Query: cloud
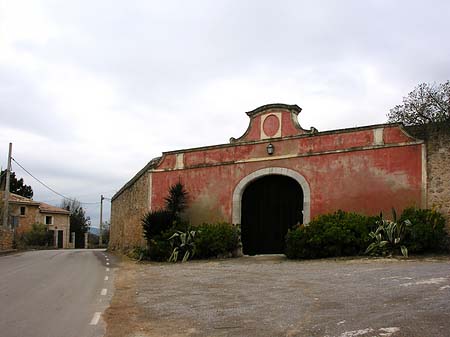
x,y
90,91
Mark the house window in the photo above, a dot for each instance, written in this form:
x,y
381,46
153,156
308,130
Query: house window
x,y
48,220
22,210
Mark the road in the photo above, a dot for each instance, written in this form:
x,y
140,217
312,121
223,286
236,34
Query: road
x,y
55,293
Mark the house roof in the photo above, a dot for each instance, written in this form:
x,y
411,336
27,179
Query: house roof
x,y
46,208
18,199
43,207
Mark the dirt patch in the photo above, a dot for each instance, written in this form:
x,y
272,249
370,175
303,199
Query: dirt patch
x,y
122,317
271,296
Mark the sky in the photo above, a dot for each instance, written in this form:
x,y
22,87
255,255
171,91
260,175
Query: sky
x,y
90,91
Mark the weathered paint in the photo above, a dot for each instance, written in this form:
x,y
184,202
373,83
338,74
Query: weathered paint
x,y
367,169
354,169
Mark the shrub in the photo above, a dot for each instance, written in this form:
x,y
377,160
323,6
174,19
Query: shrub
x,y
159,248
176,201
337,234
138,253
427,232
154,223
182,244
216,240
388,237
159,225
38,236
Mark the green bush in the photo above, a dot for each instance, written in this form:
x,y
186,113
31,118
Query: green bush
x,y
154,223
159,248
138,253
427,232
216,240
38,236
337,234
159,225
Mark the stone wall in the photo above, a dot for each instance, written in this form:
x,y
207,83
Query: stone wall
x,y
6,239
437,137
127,210
25,221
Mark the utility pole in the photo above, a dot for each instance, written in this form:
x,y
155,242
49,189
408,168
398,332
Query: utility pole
x,y
8,175
100,236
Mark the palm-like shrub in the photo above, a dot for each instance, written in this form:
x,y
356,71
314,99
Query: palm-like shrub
x,y
176,201
160,225
156,222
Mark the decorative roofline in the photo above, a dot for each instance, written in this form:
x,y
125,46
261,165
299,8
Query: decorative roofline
x,y
292,107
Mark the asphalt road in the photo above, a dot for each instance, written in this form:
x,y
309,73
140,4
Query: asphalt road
x,y
55,293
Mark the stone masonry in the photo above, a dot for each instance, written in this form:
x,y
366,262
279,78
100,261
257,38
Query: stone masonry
x,y
6,239
129,208
437,137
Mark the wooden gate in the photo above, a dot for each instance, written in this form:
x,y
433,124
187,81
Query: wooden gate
x,y
270,206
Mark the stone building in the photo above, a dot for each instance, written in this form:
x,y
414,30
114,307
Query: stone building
x,y
25,212
278,174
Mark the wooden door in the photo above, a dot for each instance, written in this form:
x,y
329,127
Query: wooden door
x,y
60,239
270,206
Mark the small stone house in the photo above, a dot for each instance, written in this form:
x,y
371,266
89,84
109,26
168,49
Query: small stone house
x,y
25,212
278,174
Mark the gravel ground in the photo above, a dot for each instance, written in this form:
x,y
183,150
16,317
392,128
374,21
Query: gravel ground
x,y
271,296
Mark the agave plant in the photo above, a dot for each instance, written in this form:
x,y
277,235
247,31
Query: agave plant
x,y
182,244
388,237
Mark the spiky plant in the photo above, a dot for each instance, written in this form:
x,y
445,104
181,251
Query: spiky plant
x,y
176,201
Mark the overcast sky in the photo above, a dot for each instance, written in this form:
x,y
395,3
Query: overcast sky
x,y
90,91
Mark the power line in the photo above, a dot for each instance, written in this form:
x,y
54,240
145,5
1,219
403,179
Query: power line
x,y
49,188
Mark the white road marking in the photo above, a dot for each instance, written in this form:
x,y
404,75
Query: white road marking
x,y
104,292
95,318
107,269
107,263
106,278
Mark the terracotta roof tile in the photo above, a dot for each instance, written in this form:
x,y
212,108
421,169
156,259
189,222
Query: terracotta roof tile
x,y
46,208
43,207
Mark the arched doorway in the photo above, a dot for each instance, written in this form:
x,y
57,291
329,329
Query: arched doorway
x,y
270,206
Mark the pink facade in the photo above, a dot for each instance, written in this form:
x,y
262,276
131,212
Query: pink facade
x,y
368,169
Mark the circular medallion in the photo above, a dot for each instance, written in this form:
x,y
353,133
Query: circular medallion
x,y
271,125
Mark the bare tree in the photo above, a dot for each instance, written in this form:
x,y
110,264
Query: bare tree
x,y
427,103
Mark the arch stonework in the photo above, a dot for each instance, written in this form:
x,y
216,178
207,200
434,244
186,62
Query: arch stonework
x,y
240,188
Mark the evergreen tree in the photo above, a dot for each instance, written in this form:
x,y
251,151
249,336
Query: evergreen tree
x,y
16,186
79,222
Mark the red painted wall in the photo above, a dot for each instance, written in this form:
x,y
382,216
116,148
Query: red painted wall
x,y
345,169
